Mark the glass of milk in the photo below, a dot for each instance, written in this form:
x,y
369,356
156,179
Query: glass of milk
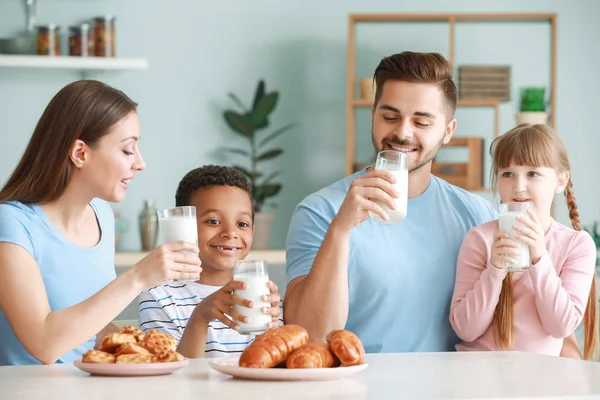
x,y
397,163
507,218
178,223
255,274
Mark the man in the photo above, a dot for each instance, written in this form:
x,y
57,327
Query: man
x,y
391,285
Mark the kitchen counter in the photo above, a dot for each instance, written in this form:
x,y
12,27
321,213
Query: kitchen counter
x,y
489,375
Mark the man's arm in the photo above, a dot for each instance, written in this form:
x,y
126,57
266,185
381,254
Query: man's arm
x,y
317,294
319,301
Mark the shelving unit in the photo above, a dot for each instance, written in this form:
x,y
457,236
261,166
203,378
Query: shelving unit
x,y
352,103
73,63
272,257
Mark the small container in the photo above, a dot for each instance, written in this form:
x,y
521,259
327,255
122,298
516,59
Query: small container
x,y
81,41
104,34
48,40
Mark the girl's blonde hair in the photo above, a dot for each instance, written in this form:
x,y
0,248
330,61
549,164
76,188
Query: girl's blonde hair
x,y
538,146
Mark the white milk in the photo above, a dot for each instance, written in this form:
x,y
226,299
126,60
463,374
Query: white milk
x,y
397,215
506,220
257,288
178,228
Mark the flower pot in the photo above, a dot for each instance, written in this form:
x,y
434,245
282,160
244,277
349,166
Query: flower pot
x,y
262,230
533,117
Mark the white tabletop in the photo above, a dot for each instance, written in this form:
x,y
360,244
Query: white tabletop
x,y
490,375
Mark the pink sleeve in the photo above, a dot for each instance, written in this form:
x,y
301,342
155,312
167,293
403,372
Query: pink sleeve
x,y
477,288
561,300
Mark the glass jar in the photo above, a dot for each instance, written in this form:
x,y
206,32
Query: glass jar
x,y
105,36
48,40
81,41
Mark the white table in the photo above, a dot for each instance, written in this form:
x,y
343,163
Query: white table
x,y
501,375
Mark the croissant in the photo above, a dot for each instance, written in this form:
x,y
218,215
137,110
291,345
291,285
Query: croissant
x,y
347,347
312,355
273,347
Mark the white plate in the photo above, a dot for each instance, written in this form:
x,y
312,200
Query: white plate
x,y
229,366
150,369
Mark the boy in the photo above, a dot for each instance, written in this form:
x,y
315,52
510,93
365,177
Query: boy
x,y
194,312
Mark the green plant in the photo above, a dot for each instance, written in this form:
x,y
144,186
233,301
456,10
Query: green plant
x,y
594,231
533,99
248,124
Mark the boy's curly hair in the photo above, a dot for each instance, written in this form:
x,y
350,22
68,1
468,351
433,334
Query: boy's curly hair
x,y
209,176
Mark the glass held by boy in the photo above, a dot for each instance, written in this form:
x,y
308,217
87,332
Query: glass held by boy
x,y
207,316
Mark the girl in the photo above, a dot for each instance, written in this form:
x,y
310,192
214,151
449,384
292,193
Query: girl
x,y
57,279
535,310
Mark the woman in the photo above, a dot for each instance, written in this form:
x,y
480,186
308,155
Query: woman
x,y
58,289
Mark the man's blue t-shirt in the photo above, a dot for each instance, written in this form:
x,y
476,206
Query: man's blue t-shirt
x,y
401,277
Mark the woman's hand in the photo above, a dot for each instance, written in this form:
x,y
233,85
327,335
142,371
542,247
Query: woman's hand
x,y
177,260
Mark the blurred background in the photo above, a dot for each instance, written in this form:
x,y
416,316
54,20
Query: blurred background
x,y
188,62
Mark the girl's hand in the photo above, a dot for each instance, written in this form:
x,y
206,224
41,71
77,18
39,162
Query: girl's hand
x,y
502,249
533,235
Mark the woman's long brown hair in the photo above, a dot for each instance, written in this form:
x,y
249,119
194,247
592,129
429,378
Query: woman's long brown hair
x,y
84,110
539,146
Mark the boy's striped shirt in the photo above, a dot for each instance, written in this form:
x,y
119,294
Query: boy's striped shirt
x,y
168,307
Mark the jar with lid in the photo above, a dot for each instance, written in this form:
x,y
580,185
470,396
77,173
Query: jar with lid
x,y
48,40
105,36
81,41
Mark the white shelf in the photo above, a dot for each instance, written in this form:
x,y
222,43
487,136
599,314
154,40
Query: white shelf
x,y
77,63
272,257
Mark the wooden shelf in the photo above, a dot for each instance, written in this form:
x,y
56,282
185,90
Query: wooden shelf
x,y
452,19
478,103
75,63
481,190
461,103
456,17
362,103
272,257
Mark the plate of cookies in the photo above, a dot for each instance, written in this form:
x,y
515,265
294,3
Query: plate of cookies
x,y
130,352
285,354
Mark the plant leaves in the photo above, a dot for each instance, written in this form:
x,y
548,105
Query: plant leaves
x,y
263,108
270,177
238,102
269,155
265,191
270,189
259,94
243,171
235,151
533,99
275,134
238,123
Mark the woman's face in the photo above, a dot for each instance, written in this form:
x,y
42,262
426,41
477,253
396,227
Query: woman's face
x,y
112,162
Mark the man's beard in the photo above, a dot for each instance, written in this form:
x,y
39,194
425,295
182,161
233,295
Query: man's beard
x,y
419,163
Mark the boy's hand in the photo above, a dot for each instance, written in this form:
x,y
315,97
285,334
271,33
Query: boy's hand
x,y
274,311
219,305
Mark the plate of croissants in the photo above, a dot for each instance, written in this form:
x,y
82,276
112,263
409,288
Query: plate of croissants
x,y
285,353
130,352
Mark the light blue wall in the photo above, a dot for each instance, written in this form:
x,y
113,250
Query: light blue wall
x,y
200,50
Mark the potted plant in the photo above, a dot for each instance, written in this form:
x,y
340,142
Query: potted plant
x,y
250,123
532,107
